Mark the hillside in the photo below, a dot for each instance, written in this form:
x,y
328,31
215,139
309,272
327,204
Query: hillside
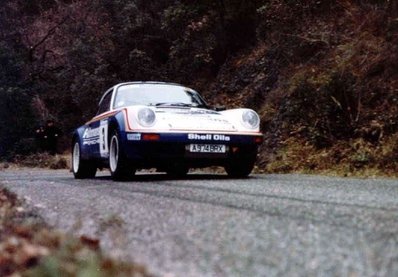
x,y
325,87
322,74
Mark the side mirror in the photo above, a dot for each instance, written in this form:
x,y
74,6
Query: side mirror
x,y
219,108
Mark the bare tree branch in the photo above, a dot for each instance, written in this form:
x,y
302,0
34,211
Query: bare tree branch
x,y
50,32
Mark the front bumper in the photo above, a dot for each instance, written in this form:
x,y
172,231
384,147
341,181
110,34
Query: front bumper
x,y
161,149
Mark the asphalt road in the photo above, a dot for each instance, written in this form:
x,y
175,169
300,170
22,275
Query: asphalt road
x,y
208,225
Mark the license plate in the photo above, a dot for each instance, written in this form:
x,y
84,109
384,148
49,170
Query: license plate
x,y
207,148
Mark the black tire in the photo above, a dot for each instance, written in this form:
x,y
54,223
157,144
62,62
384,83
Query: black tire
x,y
239,170
241,166
120,167
82,169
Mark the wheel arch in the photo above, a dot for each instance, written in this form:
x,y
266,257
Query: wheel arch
x,y
75,136
116,123
113,126
78,136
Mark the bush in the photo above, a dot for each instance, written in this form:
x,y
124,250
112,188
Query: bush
x,y
42,160
322,108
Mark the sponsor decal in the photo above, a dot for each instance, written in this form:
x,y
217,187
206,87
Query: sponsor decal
x,y
91,136
90,142
90,133
203,112
99,137
136,136
209,137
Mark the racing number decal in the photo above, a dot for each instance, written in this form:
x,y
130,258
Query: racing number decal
x,y
103,139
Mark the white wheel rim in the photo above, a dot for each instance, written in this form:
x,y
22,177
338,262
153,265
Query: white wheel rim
x,y
114,153
76,157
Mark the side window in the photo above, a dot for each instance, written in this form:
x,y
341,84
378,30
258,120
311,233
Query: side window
x,y
105,104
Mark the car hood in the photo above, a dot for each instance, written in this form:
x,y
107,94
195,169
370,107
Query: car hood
x,y
193,119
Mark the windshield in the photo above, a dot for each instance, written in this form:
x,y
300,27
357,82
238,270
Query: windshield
x,y
157,95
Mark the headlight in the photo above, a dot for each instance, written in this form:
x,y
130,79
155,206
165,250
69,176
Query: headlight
x,y
250,119
146,117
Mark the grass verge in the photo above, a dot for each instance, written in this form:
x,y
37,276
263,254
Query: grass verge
x,y
356,158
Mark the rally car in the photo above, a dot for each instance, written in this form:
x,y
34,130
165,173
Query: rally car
x,y
164,126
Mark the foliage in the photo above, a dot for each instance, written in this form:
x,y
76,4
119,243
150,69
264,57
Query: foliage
x,y
320,71
42,160
355,157
15,99
322,108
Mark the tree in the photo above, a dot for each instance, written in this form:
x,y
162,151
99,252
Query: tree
x,y
17,120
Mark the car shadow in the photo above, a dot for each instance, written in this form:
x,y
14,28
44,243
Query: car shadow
x,y
151,177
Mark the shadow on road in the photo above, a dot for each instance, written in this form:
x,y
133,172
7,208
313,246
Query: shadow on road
x,y
150,177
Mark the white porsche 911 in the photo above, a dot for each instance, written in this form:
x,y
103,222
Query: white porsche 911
x,y
164,126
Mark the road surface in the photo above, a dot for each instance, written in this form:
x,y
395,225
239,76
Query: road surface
x,y
208,225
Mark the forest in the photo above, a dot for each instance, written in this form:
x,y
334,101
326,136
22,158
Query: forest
x,y
322,74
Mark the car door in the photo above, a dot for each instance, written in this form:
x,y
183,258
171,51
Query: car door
x,y
95,135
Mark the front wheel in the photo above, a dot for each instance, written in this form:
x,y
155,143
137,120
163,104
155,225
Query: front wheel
x,y
121,168
241,165
239,169
82,169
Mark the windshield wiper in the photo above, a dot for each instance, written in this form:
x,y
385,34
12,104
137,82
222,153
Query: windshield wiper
x,y
174,104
